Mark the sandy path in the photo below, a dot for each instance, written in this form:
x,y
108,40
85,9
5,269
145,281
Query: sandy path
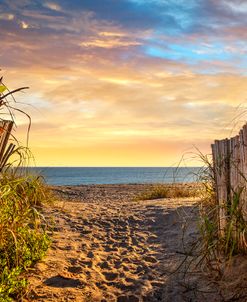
x,y
107,247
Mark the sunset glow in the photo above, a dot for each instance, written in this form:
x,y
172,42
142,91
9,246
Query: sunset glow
x,y
126,82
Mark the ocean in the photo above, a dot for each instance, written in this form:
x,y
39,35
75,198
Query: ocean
x,y
120,175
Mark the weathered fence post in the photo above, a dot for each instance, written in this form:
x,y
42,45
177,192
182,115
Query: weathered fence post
x,y
220,151
5,132
244,170
230,172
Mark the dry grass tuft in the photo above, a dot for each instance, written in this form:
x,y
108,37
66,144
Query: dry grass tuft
x,y
171,191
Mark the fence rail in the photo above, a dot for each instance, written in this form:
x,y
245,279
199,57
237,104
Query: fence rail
x,y
230,172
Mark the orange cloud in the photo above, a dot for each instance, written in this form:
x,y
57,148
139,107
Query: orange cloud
x,y
109,43
98,108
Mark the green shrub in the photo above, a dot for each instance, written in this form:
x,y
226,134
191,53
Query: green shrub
x,y
23,236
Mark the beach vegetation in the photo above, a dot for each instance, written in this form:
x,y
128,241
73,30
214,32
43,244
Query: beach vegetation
x,y
23,231
23,228
221,255
232,240
170,191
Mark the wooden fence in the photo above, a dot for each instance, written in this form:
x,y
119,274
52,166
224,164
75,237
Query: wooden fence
x,y
230,169
5,149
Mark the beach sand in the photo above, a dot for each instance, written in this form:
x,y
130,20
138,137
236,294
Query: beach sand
x,y
106,246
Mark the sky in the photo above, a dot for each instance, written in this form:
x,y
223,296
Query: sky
x,y
125,82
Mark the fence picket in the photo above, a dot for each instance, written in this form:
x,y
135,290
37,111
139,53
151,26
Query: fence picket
x,y
230,172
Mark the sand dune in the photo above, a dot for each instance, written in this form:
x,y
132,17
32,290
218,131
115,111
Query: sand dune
x,y
107,247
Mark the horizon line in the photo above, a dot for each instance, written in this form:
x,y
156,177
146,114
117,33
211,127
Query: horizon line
x,y
113,167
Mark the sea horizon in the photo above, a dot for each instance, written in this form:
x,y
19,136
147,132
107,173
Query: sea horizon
x,y
65,175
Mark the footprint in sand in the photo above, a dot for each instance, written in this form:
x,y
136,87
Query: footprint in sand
x,y
73,261
130,298
60,281
150,259
87,263
125,268
152,239
75,269
118,264
85,231
110,276
90,254
66,248
126,287
111,249
105,265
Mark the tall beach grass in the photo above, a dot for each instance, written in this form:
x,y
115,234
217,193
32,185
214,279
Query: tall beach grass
x,y
23,235
221,256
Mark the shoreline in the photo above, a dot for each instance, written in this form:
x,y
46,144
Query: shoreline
x,y
131,184
113,191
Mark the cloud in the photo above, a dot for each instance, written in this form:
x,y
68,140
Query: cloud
x,y
111,39
236,6
168,105
109,43
24,25
53,6
7,16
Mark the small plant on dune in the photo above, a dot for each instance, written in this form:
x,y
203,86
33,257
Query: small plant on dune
x,y
170,191
23,236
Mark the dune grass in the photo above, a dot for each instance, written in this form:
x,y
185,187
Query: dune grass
x,y
216,250
221,255
23,236
170,191
233,240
